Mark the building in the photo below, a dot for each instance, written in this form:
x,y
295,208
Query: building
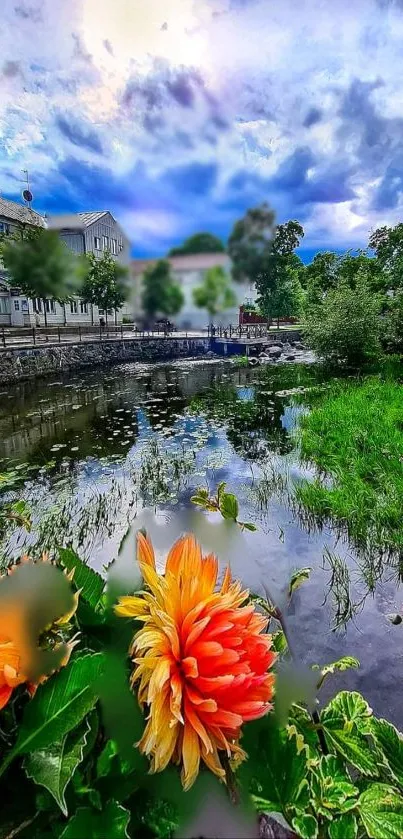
x,y
189,271
83,233
14,309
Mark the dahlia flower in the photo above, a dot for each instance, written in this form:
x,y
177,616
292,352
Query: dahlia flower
x,y
201,660
14,650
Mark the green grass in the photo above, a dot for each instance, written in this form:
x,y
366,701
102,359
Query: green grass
x,y
354,436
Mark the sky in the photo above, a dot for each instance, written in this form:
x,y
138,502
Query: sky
x,y
179,115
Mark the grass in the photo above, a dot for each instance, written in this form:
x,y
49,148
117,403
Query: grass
x,y
354,436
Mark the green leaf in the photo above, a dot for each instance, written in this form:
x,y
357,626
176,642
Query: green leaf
x,y
229,506
90,583
59,705
297,578
279,642
105,759
302,722
381,810
220,489
332,788
306,826
339,666
352,708
343,827
390,742
247,525
54,766
112,822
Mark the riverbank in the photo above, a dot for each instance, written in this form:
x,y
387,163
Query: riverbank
x,y
23,363
354,437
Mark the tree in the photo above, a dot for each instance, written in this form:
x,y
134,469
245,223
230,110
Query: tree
x,y
106,284
277,286
345,325
41,265
199,243
392,333
161,293
250,244
215,293
387,242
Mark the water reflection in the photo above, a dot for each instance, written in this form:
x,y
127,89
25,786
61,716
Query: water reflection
x,y
107,446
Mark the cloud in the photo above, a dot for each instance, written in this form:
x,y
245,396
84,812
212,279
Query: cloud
x,y
79,134
182,117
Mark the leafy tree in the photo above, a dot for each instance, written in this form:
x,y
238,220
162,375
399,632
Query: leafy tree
x,y
250,244
41,265
106,284
392,337
345,324
161,293
199,243
279,288
387,242
215,293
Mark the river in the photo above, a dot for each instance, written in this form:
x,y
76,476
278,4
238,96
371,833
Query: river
x,y
108,451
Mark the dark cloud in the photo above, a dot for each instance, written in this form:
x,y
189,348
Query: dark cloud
x,y
293,170
79,134
108,46
313,116
181,88
32,13
389,192
11,69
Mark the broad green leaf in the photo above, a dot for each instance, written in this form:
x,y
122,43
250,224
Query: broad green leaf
x,y
247,525
229,506
297,578
390,743
343,827
305,825
381,810
105,758
90,583
332,789
302,721
352,708
60,704
112,822
54,766
353,747
277,766
345,663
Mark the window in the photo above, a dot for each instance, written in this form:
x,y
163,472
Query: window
x,y
37,304
113,246
83,308
97,243
24,306
4,306
105,243
16,305
101,312
73,307
4,227
50,307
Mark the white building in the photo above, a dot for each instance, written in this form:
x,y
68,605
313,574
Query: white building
x,y
83,233
189,271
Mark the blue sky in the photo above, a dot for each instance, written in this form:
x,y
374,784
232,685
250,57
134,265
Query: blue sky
x,y
178,115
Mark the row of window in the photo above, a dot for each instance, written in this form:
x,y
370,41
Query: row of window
x,y
108,244
51,306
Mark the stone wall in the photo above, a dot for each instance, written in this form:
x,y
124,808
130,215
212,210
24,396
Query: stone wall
x,y
21,363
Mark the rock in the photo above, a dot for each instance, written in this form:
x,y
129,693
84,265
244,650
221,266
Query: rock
x,y
253,361
298,345
290,357
275,351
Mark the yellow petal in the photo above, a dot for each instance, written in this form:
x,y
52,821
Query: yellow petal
x,y
130,606
190,756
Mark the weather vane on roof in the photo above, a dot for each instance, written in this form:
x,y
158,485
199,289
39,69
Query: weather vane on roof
x,y
27,194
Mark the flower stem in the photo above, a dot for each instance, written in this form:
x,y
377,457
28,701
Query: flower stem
x,y
233,791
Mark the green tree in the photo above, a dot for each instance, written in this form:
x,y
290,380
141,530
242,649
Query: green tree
x,y
392,334
199,243
250,244
106,284
387,242
279,287
215,293
161,293
41,265
345,325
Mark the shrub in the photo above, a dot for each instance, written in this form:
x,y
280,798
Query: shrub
x,y
344,325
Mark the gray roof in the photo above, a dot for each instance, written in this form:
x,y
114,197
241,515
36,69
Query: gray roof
x,y
89,218
21,213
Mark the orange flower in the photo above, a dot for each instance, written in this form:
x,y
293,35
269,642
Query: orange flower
x,y
16,646
201,658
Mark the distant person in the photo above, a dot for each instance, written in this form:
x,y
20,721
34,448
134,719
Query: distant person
x,y
102,322
37,320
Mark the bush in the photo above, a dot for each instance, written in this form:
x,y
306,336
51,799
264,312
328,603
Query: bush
x,y
392,338
344,325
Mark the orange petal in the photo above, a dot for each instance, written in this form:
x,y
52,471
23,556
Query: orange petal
x,y
145,550
189,668
5,693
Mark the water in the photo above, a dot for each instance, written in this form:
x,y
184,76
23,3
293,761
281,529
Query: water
x,y
109,451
